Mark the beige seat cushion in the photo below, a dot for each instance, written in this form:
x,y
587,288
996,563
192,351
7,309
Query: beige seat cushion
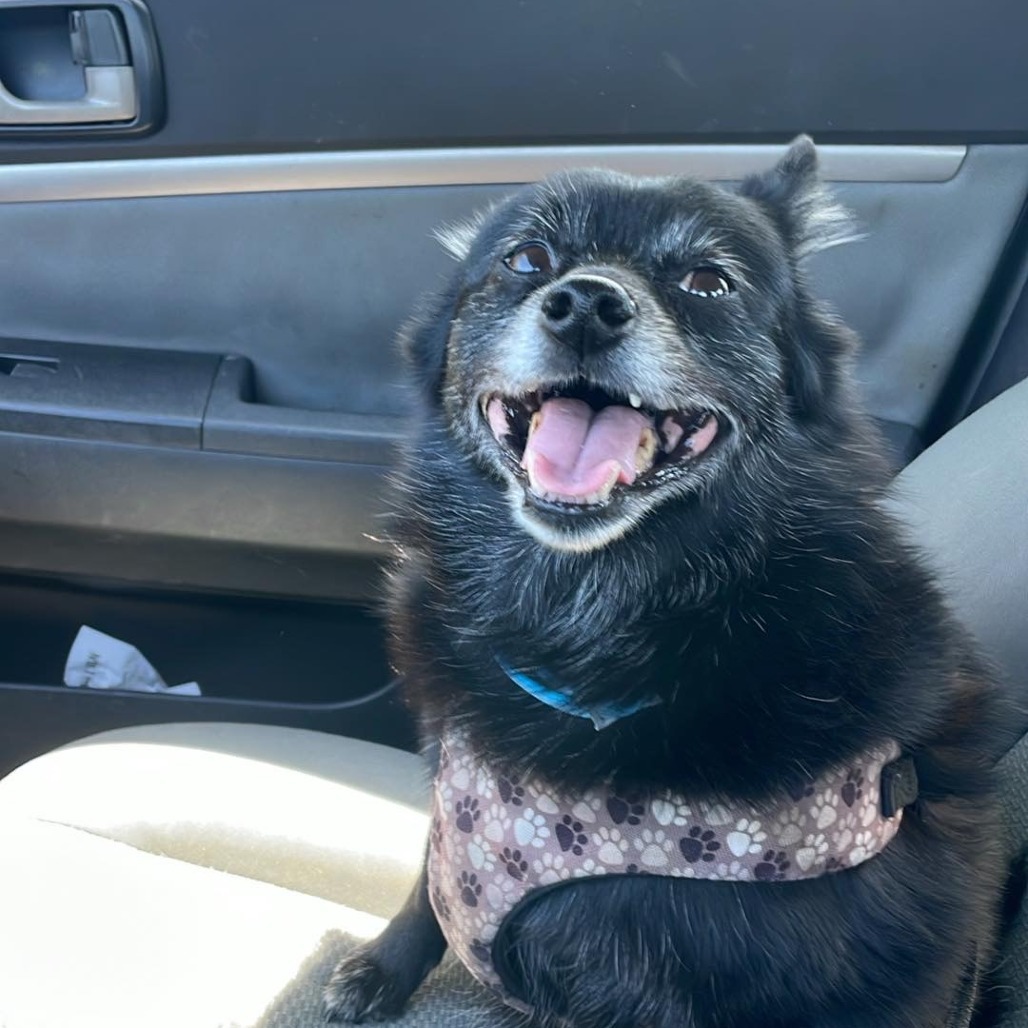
x,y
99,935
181,875
340,819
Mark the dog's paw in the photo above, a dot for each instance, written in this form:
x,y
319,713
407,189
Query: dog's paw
x,y
360,989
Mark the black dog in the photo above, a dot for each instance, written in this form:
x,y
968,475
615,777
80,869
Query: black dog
x,y
640,477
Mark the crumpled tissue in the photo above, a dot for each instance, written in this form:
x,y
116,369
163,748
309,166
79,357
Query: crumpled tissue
x,y
100,661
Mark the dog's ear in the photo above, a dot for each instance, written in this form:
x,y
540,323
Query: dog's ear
x,y
457,237
810,219
808,216
423,339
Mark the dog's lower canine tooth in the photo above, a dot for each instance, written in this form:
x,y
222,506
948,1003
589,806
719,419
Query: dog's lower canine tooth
x,y
646,451
605,490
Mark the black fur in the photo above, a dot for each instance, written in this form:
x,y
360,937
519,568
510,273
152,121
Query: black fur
x,y
371,986
764,595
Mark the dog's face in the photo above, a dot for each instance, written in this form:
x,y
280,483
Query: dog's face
x,y
618,344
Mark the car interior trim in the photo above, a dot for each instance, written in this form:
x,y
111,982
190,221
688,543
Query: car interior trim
x,y
194,176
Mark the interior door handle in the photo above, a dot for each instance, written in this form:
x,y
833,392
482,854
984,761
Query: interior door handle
x,y
76,46
110,96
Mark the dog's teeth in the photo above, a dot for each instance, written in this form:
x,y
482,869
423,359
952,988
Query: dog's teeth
x,y
635,401
673,433
646,450
602,494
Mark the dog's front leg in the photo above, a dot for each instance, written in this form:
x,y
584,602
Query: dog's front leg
x,y
376,980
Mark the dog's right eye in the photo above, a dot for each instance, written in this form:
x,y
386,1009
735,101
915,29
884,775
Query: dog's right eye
x,y
705,281
530,258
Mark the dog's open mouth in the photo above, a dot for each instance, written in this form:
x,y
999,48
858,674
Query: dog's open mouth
x,y
578,444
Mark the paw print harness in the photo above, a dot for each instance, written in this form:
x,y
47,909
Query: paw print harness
x,y
494,842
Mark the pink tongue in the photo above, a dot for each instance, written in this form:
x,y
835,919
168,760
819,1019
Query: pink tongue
x,y
574,452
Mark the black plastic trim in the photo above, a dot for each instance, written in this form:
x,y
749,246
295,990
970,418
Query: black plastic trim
x,y
36,719
311,665
102,555
961,393
174,398
187,517
107,393
1009,364
96,38
235,422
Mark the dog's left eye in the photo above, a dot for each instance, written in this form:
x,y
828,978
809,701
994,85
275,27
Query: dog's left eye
x,y
705,281
530,258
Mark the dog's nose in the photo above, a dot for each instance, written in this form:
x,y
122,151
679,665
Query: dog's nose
x,y
587,312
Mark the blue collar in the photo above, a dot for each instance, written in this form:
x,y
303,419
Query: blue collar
x,y
601,716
